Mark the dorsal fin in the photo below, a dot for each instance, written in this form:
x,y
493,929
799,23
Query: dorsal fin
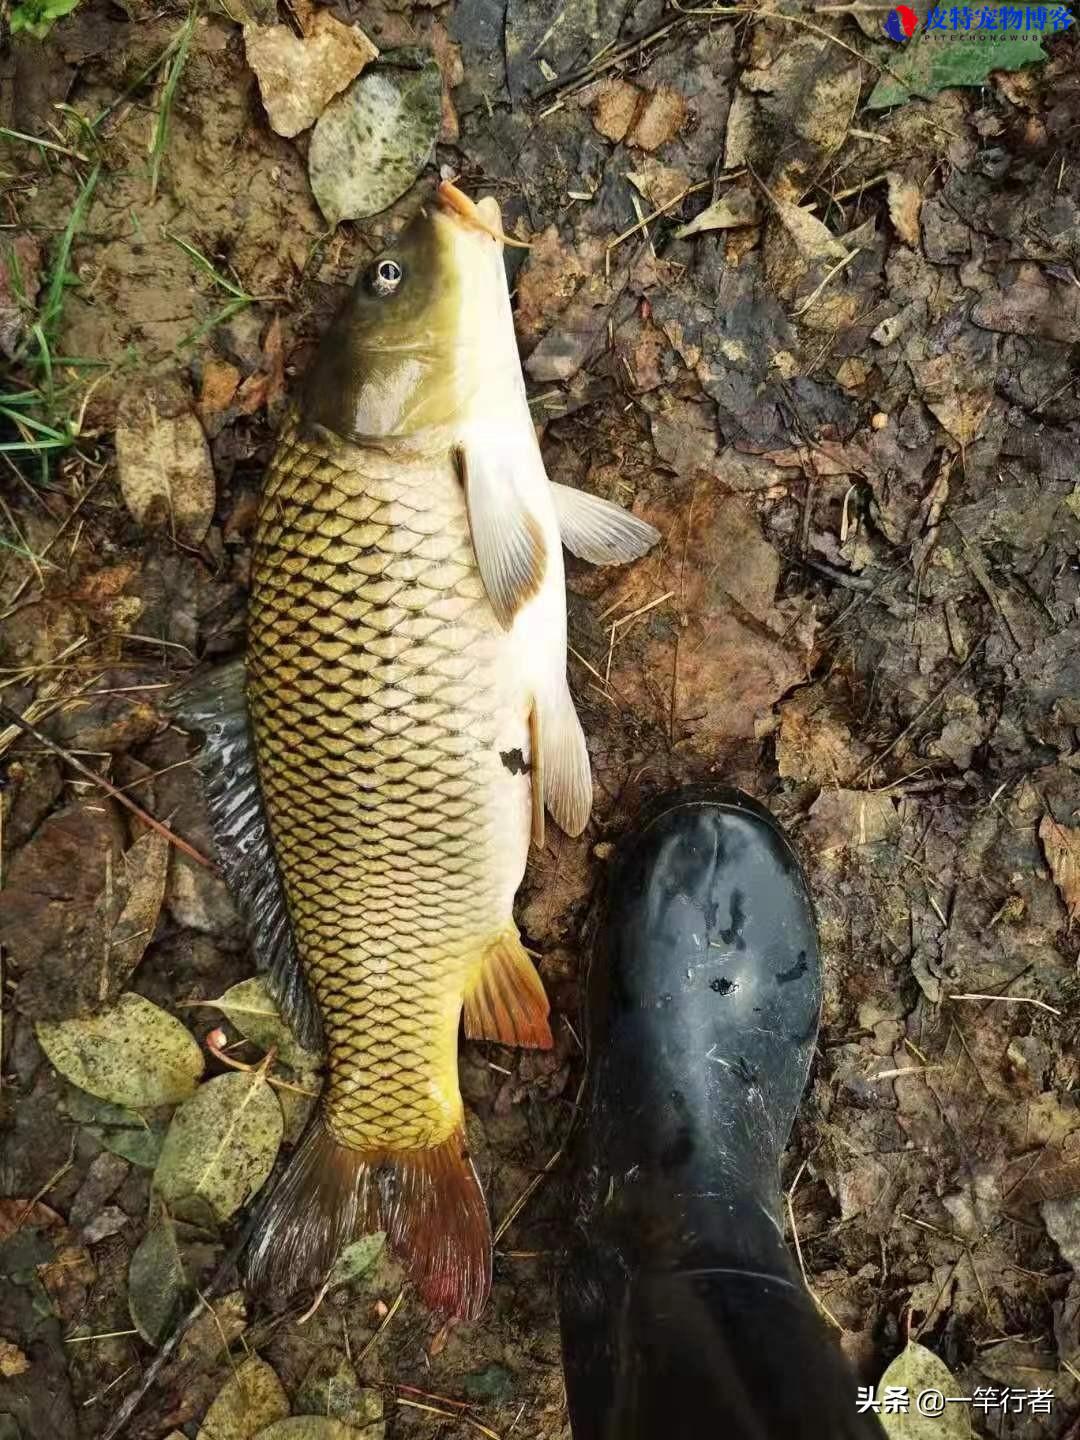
x,y
214,706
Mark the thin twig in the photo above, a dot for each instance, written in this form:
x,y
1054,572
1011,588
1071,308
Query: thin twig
x,y
1011,1000
14,718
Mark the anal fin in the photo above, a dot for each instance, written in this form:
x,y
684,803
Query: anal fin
x,y
506,1001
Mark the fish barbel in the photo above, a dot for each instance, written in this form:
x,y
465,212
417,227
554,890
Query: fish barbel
x,y
410,721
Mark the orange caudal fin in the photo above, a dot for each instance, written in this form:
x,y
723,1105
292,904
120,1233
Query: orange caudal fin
x,y
506,1000
429,1202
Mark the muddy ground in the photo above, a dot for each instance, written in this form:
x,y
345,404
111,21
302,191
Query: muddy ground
x,y
863,463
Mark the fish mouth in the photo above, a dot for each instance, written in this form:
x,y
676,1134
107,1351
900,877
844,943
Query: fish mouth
x,y
485,216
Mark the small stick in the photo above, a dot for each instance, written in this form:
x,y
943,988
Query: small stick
x,y
1011,1000
14,718
660,210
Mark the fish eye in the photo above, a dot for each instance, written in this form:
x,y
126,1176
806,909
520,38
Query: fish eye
x,y
386,276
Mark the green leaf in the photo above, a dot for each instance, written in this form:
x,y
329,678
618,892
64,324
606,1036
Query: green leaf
x,y
939,60
918,1371
370,143
125,1132
249,1007
37,17
250,1399
357,1259
220,1146
331,1388
162,1276
132,1054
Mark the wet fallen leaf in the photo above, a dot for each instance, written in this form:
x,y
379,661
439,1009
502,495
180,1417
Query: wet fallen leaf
x,y
163,462
249,1007
331,1388
251,1399
919,1372
299,76
133,1054
311,1427
495,1383
840,818
162,1276
370,142
220,1146
1062,846
924,66
738,207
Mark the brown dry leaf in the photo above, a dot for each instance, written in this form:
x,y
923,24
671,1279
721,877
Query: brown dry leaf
x,y
707,664
57,910
219,1326
615,107
219,382
1061,844
813,744
905,207
66,1279
840,818
660,184
954,395
163,460
16,1215
79,952
299,77
548,281
103,585
738,207
12,1360
660,119
274,363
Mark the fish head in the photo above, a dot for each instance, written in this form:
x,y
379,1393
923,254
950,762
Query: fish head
x,y
426,334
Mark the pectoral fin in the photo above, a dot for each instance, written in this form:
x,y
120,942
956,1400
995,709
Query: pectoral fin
x,y
507,539
559,746
506,1000
599,530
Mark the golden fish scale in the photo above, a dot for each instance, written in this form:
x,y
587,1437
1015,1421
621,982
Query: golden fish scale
x,y
370,655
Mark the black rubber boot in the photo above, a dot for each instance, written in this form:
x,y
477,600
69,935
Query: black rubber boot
x,y
682,1311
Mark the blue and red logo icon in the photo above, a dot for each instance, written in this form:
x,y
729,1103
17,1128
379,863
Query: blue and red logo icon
x,y
901,23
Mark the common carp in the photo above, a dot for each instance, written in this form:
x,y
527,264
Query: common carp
x,y
376,771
